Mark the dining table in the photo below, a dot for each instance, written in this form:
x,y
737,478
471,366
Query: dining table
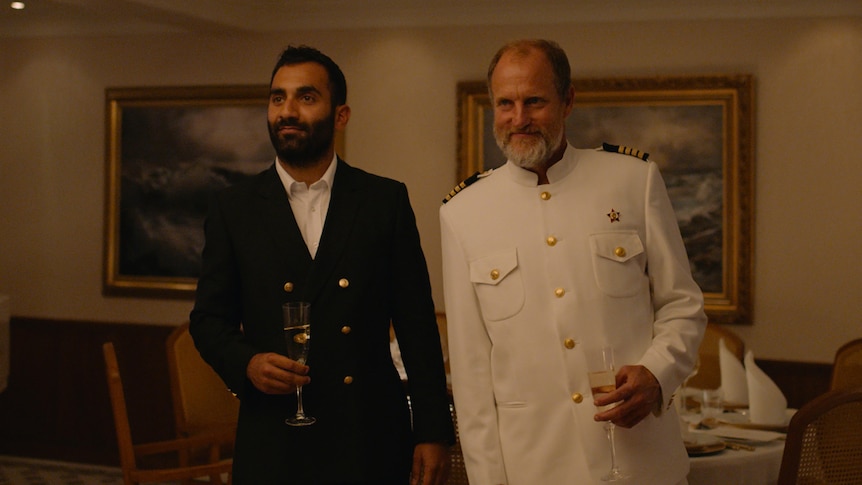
x,y
759,466
734,454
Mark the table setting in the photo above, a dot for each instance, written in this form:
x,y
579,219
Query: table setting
x,y
735,434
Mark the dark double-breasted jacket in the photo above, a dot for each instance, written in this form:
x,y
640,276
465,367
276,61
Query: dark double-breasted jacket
x,y
369,271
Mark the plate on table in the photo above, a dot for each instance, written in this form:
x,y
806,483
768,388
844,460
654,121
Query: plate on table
x,y
742,435
741,420
699,444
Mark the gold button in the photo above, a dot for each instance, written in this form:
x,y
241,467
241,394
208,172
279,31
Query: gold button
x,y
569,343
348,380
345,330
620,252
551,240
495,274
343,283
577,397
545,195
288,287
559,292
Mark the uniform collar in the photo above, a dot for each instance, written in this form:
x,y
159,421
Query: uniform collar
x,y
557,172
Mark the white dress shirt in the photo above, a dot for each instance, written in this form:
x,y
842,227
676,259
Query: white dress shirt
x,y
309,203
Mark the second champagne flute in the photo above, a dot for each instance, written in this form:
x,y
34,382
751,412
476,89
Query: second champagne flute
x,y
602,376
297,335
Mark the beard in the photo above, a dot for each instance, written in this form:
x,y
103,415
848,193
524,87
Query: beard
x,y
530,153
306,148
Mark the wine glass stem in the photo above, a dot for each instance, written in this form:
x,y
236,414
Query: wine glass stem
x,y
299,411
610,429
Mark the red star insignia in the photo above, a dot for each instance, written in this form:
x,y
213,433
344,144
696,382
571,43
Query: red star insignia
x,y
614,216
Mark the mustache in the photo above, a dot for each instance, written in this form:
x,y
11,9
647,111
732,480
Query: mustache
x,y
291,123
524,132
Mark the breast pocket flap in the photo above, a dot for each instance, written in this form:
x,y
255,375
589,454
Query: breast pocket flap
x,y
619,247
493,269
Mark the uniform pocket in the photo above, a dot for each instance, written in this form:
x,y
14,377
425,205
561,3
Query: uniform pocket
x,y
498,284
618,263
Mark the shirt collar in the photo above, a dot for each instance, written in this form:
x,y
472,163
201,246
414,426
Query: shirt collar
x,y
325,180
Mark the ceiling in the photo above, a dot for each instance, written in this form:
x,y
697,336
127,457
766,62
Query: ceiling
x,y
125,17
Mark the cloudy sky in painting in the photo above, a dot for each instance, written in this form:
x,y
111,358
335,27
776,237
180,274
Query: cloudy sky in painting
x,y
678,138
172,158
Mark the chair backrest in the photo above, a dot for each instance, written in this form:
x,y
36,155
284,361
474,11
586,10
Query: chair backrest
x,y
709,374
458,469
824,441
847,368
118,405
215,470
201,400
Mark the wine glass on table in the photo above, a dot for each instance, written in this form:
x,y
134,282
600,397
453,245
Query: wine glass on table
x,y
297,335
603,379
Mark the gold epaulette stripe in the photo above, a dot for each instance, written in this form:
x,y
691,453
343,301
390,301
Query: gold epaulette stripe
x,y
625,151
464,184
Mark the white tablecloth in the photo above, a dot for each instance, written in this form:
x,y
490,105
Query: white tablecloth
x,y
4,341
732,467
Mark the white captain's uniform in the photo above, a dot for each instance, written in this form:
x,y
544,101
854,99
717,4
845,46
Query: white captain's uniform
x,y
536,274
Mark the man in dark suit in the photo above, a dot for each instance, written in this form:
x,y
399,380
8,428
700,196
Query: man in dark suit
x,y
313,228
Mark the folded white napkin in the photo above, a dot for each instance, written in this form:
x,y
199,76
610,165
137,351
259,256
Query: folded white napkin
x,y
734,384
766,402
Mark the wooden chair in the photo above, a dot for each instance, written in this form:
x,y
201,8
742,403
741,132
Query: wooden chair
x,y
847,368
131,453
201,401
709,374
824,441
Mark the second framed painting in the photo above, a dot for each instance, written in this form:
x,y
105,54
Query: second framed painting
x,y
698,129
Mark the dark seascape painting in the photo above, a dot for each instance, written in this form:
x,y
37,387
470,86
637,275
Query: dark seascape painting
x,y
174,157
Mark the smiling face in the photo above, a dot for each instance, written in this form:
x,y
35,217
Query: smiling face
x,y
529,113
301,118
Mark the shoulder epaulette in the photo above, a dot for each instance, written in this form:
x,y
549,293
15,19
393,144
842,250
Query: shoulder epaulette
x,y
625,151
466,183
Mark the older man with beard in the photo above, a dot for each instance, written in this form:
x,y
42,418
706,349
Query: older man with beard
x,y
313,228
557,254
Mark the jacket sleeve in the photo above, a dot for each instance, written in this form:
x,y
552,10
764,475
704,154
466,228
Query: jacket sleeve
x,y
415,326
680,320
216,317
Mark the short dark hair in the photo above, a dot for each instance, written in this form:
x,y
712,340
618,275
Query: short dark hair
x,y
555,54
301,54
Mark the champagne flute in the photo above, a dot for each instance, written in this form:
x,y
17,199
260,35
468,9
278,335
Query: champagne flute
x,y
602,377
297,335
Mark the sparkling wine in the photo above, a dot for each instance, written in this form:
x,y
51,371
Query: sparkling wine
x,y
602,382
297,342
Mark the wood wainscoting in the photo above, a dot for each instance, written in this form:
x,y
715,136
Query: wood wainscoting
x,y
57,406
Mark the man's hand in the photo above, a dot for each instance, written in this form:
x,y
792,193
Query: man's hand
x,y
638,393
430,464
276,374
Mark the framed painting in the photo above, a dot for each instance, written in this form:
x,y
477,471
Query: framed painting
x,y
698,129
168,149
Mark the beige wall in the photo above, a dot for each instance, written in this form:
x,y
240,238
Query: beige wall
x,y
402,91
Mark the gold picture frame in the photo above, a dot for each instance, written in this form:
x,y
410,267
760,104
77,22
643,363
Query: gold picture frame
x,y
167,150
699,129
